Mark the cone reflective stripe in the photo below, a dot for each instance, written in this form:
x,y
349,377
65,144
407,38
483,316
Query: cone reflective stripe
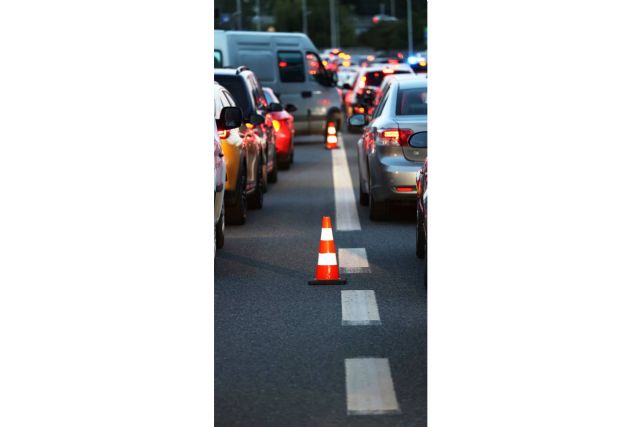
x,y
332,136
327,270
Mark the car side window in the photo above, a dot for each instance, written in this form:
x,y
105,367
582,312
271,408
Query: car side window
x,y
380,106
291,66
257,92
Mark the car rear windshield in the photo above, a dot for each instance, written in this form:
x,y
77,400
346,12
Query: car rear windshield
x,y
411,102
238,89
374,78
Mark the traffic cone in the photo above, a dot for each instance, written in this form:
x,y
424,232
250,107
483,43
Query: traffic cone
x,y
332,136
327,270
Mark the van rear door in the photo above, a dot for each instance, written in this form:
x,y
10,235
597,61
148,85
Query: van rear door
x,y
295,89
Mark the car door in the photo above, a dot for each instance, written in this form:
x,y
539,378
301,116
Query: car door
x,y
294,87
322,97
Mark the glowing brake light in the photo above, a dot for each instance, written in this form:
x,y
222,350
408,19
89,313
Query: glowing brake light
x,y
249,126
362,82
282,64
276,125
387,71
223,134
393,61
346,63
404,189
394,136
423,63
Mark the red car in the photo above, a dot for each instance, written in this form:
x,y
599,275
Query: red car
x,y
283,126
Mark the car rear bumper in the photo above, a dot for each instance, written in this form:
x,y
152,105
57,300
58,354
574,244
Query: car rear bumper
x,y
393,179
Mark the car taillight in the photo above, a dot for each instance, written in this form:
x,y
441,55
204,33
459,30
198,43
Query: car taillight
x,y
223,134
394,136
276,125
362,83
359,110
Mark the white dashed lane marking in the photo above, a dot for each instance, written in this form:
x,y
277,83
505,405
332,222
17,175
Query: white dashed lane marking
x,y
370,387
346,211
353,260
359,308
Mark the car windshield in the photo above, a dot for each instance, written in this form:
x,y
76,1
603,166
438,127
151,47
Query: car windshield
x,y
374,78
411,102
238,89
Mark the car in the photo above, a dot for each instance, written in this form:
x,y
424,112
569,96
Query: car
x,y
419,140
242,151
283,125
246,89
290,64
229,117
219,178
386,163
366,84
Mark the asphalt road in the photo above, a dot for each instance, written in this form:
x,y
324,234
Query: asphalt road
x,y
280,346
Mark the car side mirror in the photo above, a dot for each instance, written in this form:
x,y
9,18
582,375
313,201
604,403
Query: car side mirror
x,y
256,119
357,120
230,118
290,108
275,107
418,140
347,86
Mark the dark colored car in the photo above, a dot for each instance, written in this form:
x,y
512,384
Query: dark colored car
x,y
245,88
419,140
242,152
365,90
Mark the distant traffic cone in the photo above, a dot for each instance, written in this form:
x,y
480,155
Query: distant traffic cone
x,y
327,270
332,136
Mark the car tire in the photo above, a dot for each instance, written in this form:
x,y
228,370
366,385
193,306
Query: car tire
x,y
236,213
420,243
255,199
273,175
364,197
378,210
426,263
220,229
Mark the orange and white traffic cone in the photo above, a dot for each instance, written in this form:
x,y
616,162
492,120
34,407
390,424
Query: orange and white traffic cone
x,y
332,136
327,270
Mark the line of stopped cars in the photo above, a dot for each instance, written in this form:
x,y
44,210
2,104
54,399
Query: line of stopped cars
x,y
273,86
387,105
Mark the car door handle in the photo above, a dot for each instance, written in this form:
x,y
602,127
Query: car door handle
x,y
306,94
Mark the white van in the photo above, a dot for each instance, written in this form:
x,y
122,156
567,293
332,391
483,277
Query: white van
x,y
289,64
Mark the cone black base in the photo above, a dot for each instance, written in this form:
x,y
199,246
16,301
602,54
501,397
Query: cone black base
x,y
328,282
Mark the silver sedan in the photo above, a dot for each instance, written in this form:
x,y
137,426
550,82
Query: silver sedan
x,y
386,162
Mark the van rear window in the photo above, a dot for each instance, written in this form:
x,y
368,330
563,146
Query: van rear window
x,y
291,67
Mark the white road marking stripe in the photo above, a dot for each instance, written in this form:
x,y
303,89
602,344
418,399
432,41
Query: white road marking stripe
x,y
326,234
359,308
370,387
327,259
346,211
353,260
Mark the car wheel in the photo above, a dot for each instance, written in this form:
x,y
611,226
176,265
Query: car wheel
x,y
420,244
378,210
364,197
236,212
220,229
256,198
426,262
273,175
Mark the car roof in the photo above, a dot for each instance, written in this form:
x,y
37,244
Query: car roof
x,y
378,67
417,82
